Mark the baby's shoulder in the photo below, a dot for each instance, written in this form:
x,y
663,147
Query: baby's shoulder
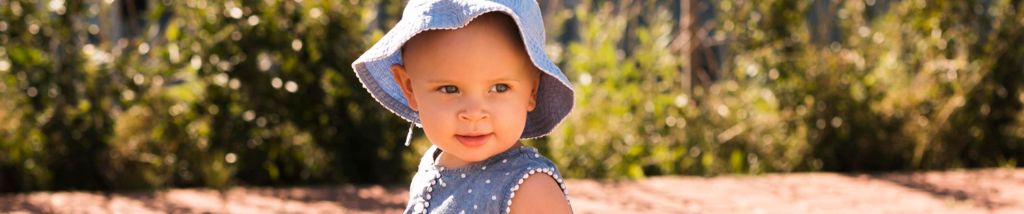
x,y
531,176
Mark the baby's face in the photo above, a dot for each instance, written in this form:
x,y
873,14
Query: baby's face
x,y
472,87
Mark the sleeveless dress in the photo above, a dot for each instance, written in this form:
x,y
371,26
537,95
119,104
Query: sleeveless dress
x,y
487,186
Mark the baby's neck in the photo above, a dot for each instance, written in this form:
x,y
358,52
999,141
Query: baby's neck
x,y
450,161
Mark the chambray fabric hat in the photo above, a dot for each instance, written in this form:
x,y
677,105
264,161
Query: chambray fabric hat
x,y
555,96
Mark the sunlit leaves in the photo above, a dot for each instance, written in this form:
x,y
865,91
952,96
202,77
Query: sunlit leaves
x,y
875,85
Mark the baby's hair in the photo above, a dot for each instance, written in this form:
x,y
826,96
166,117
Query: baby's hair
x,y
505,22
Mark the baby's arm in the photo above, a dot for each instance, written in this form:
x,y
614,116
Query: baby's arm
x,y
539,194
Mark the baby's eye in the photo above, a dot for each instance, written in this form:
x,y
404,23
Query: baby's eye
x,y
500,88
448,89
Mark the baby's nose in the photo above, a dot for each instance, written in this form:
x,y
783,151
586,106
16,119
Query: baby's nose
x,y
473,113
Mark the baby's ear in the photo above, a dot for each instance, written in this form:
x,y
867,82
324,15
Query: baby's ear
x,y
403,81
533,93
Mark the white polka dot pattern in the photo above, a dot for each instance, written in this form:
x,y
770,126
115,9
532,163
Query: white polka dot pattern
x,y
487,186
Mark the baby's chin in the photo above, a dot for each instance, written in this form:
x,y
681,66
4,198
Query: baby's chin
x,y
472,156
477,154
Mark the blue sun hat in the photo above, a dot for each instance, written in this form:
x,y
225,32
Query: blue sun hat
x,y
555,96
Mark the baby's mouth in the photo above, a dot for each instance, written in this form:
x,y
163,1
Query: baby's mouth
x,y
473,140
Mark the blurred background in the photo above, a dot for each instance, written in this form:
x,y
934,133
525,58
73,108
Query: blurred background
x,y
153,94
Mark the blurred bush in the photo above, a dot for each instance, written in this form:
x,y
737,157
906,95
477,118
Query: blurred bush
x,y
802,86
150,94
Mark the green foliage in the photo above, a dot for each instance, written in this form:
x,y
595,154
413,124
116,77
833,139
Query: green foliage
x,y
902,86
219,93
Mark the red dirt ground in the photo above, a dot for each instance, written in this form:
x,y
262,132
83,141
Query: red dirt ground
x,y
974,191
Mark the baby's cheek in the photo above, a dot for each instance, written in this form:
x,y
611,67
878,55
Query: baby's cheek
x,y
437,123
512,120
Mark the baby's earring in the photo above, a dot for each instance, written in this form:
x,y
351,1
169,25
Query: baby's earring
x,y
408,137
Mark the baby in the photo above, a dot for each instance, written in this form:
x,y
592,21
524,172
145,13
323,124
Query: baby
x,y
473,74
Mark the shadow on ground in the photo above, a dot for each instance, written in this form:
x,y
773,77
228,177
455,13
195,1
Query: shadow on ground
x,y
346,199
982,188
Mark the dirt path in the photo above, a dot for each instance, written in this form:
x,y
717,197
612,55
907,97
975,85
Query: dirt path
x,y
976,191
